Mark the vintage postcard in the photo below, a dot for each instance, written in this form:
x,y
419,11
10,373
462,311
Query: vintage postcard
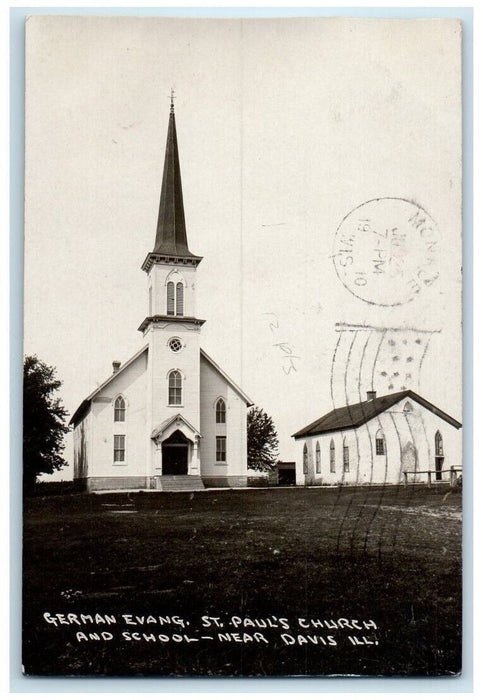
x,y
243,347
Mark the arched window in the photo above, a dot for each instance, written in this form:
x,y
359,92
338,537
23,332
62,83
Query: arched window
x,y
220,411
306,459
174,388
179,298
170,298
438,444
407,407
317,459
119,410
345,455
332,456
380,443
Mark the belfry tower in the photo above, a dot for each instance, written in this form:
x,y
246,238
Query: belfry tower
x,y
169,418
172,331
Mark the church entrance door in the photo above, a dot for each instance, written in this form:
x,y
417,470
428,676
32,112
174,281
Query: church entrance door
x,y
175,454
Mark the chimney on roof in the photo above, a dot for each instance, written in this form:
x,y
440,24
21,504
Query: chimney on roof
x,y
371,395
115,366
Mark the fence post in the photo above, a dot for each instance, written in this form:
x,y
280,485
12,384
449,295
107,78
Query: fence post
x,y
451,475
405,478
429,479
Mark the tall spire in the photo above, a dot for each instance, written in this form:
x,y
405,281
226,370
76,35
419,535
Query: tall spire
x,y
171,229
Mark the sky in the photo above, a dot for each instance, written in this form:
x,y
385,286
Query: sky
x,y
284,127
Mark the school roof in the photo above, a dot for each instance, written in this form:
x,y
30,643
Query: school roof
x,y
357,414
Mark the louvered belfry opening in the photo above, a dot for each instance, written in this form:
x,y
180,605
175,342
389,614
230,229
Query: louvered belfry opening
x,y
179,299
170,299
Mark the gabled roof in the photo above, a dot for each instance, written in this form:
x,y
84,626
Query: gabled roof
x,y
162,427
85,405
234,386
357,414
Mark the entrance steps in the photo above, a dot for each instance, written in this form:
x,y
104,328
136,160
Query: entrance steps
x,y
177,482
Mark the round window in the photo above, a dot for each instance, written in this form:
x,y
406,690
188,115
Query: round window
x,y
175,344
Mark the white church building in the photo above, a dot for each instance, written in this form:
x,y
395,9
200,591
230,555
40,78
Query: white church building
x,y
169,418
391,439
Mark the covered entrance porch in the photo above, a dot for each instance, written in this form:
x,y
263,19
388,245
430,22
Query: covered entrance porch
x,y
177,461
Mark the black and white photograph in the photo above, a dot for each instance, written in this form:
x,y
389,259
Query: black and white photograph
x,y
242,397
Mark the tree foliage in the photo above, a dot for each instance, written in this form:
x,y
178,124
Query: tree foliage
x,y
43,422
262,440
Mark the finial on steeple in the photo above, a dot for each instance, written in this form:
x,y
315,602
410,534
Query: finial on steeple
x,y
173,97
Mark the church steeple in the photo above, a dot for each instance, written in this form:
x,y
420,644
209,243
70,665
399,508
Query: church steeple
x,y
171,266
171,242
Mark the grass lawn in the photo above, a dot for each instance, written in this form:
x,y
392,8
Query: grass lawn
x,y
391,555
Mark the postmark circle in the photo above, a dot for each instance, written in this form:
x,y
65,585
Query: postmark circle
x,y
386,251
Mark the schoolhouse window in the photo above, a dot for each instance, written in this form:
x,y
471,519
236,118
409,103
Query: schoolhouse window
x,y
332,456
170,298
306,459
119,410
221,448
317,459
380,443
407,407
119,448
174,388
345,456
220,411
438,444
179,299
